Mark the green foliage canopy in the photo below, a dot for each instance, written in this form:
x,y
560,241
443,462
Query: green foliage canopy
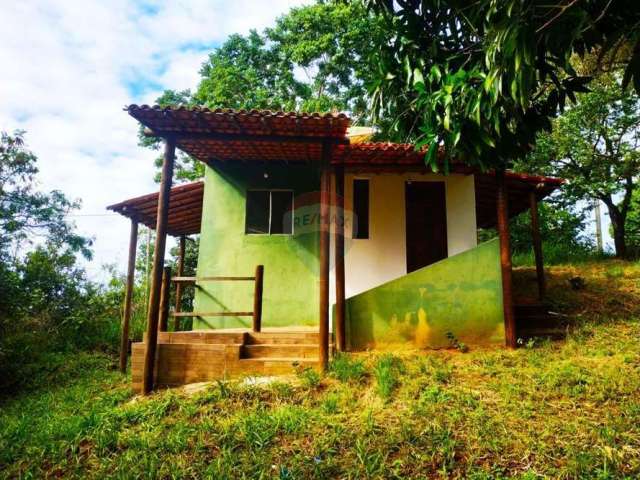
x,y
25,212
315,58
480,79
594,145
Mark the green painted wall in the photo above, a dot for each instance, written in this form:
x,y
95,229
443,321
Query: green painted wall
x,y
461,294
290,261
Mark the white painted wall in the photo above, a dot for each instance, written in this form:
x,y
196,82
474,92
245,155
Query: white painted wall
x,y
382,257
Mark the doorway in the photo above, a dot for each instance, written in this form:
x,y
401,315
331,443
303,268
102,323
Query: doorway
x,y
426,219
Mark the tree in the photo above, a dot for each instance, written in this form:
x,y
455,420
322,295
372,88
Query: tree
x,y
26,213
633,225
595,146
478,80
46,302
334,43
316,58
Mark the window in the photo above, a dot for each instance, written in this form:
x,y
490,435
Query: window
x,y
269,212
360,208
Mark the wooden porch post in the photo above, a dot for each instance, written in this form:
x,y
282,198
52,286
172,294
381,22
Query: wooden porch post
x,y
338,241
537,243
180,273
325,194
128,295
158,263
505,259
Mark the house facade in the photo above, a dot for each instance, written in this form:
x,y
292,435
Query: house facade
x,y
357,241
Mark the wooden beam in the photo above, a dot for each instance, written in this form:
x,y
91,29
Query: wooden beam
x,y
211,279
338,241
505,260
128,296
325,194
537,243
211,314
163,321
180,272
257,299
245,137
158,263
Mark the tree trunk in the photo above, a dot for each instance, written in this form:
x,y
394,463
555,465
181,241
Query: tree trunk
x,y
618,225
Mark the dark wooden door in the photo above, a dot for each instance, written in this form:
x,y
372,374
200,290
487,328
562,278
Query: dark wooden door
x,y
426,223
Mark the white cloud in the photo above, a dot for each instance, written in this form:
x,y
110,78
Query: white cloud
x,y
70,67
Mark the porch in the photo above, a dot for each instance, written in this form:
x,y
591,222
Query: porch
x,y
223,138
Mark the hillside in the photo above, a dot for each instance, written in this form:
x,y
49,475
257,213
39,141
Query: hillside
x,y
566,409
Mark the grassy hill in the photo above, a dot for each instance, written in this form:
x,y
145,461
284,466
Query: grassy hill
x,y
568,409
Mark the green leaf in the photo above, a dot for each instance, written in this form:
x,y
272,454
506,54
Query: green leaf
x,y
417,76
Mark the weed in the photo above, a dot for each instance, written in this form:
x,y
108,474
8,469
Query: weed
x,y
386,372
347,368
309,377
455,343
330,403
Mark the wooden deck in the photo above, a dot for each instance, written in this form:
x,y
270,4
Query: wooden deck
x,y
206,355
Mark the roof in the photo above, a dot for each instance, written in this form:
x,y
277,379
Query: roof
x,y
185,204
387,157
519,186
185,209
224,135
260,135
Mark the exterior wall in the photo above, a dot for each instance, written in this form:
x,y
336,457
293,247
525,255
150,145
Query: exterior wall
x,y
383,256
456,299
290,261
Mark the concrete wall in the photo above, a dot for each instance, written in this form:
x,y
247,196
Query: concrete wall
x,y
291,262
456,299
382,257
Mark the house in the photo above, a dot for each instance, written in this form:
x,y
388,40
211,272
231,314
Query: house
x,y
310,237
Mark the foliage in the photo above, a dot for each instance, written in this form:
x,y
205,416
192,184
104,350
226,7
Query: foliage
x,y
562,231
480,79
25,213
347,368
47,303
309,377
316,58
594,145
386,372
554,410
633,225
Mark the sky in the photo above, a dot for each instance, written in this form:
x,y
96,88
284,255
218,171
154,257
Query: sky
x,y
69,68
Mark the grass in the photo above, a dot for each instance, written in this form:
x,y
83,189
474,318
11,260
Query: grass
x,y
566,409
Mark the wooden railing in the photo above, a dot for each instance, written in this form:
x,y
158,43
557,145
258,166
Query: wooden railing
x,y
256,314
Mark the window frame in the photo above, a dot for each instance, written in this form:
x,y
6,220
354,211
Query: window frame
x,y
355,231
270,190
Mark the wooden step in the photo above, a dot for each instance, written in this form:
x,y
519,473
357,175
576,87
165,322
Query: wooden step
x,y
286,338
538,321
552,333
202,337
280,350
273,366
